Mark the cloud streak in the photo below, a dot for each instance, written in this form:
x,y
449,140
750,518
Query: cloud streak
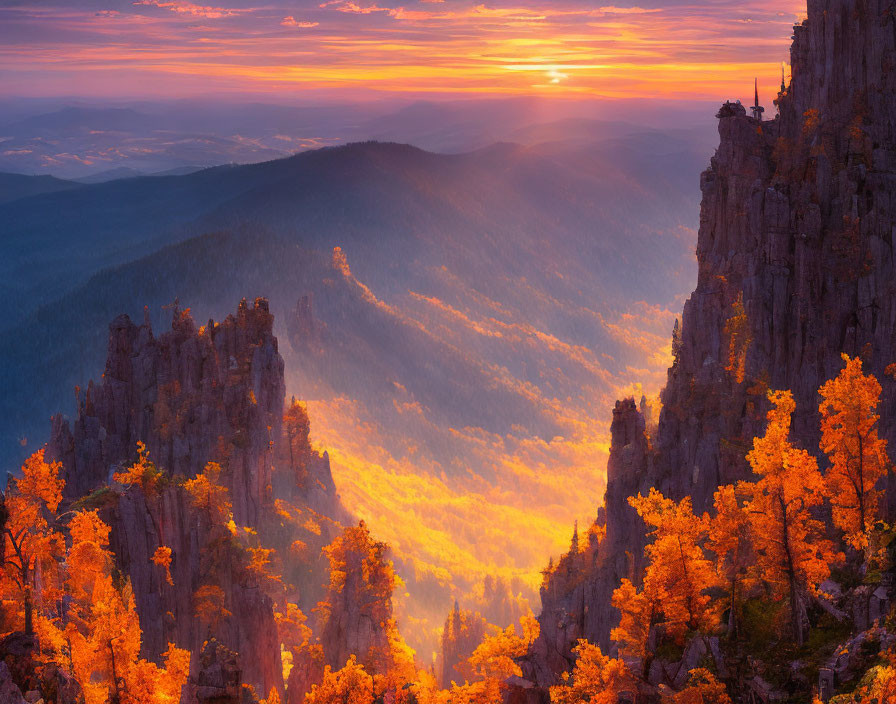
x,y
562,48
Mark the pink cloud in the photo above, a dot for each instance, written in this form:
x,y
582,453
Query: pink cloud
x,y
352,7
291,21
189,8
613,10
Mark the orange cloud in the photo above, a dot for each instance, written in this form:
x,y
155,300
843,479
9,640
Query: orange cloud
x,y
291,21
560,48
188,8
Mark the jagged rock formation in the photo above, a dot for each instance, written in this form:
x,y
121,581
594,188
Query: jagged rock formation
x,y
214,393
142,523
218,678
797,224
304,330
461,635
25,676
191,395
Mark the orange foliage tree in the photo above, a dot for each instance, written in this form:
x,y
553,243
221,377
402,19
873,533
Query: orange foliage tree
x,y
792,554
349,685
494,660
162,558
143,472
737,330
362,579
596,678
30,540
210,605
729,539
675,580
858,455
638,611
103,631
208,492
702,688
878,686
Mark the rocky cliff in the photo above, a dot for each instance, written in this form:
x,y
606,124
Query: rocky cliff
x,y
796,265
193,396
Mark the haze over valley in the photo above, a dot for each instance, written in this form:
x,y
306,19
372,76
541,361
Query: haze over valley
x,y
460,386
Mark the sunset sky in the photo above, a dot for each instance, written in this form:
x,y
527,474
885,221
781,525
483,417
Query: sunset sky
x,y
355,49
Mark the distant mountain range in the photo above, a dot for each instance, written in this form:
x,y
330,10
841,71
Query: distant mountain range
x,y
454,321
101,142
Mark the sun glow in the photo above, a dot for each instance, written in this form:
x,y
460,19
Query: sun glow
x,y
417,47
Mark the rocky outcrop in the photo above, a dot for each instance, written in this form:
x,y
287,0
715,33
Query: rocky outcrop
x,y
202,554
306,333
307,671
218,678
195,395
796,253
191,395
26,677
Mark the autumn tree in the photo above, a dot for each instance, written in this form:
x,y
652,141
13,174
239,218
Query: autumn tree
x,y
103,629
702,688
487,668
299,651
638,611
143,472
210,605
737,330
162,558
348,685
677,575
362,579
858,456
878,686
291,628
495,658
208,492
730,541
792,554
462,633
596,678
31,541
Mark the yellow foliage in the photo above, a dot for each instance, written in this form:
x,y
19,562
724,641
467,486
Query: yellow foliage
x,y
879,684
291,628
103,630
350,685
495,657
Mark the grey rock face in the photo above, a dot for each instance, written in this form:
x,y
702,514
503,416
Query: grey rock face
x,y
193,396
798,221
190,395
9,693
